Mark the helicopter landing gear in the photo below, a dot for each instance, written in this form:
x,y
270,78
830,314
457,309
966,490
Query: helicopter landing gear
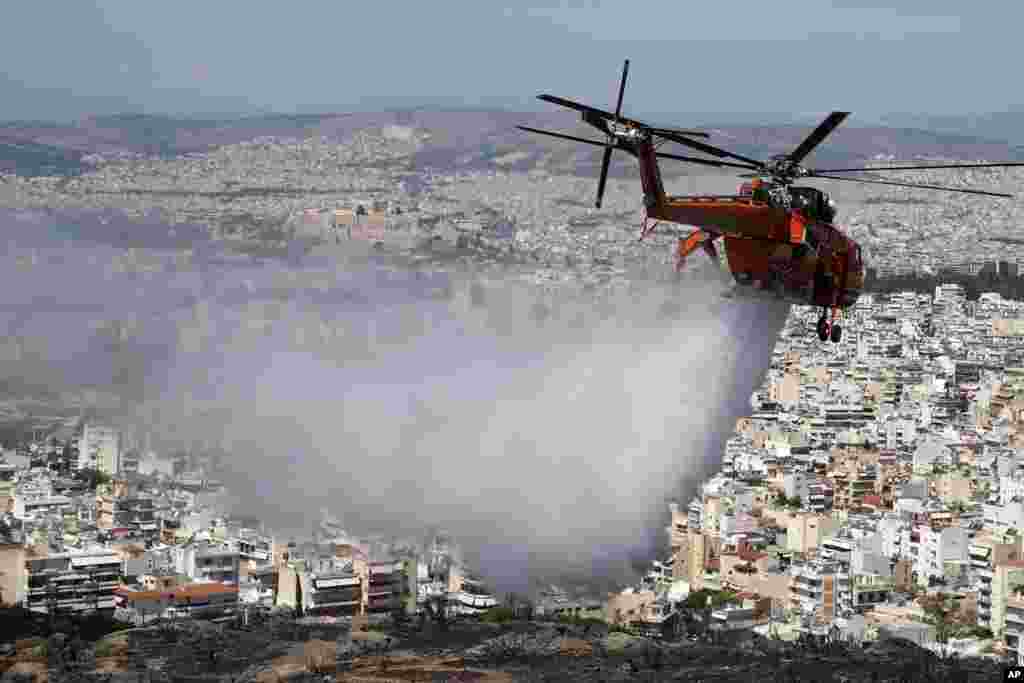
x,y
829,329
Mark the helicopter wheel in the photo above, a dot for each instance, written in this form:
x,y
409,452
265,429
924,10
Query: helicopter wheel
x,y
824,328
837,333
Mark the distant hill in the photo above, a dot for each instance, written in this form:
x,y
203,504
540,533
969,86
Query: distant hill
x,y
470,138
32,159
1008,125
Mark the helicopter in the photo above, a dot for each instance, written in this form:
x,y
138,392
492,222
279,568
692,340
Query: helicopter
x,y
780,240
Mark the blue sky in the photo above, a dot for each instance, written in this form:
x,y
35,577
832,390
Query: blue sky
x,y
65,59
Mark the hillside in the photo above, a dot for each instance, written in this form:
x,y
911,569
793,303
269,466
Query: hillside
x,y
477,139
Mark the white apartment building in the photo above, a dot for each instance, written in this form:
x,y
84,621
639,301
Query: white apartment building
x,y
100,449
891,528
937,548
1010,488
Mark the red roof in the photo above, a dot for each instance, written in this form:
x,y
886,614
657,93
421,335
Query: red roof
x,y
194,590
872,499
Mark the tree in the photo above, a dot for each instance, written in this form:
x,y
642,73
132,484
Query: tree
x,y
93,478
436,607
699,599
400,612
940,611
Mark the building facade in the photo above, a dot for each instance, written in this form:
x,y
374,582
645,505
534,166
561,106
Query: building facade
x,y
73,582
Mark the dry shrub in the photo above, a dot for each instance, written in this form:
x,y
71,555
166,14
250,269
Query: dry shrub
x,y
575,647
320,656
37,670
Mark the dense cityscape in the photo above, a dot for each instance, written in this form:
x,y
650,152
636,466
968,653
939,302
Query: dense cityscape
x,y
872,496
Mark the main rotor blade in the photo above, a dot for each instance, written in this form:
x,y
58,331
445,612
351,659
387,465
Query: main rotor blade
x,y
594,111
604,175
563,136
915,168
830,123
622,89
679,131
914,185
583,108
706,162
709,149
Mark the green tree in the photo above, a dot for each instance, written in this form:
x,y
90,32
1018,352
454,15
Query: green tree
x,y
699,599
940,611
93,478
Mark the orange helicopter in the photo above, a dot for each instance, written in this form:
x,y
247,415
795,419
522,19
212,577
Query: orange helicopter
x,y
779,238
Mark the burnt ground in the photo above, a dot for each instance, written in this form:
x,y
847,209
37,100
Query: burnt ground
x,y
282,650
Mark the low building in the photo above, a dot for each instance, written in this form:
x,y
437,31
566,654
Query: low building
x,y
200,600
921,634
472,597
729,620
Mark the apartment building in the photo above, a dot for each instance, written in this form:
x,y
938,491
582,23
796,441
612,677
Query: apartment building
x,y
13,574
939,548
804,531
206,561
679,542
139,561
953,488
814,589
106,508
137,513
337,593
73,582
1014,630
385,586
1006,579
986,552
99,448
